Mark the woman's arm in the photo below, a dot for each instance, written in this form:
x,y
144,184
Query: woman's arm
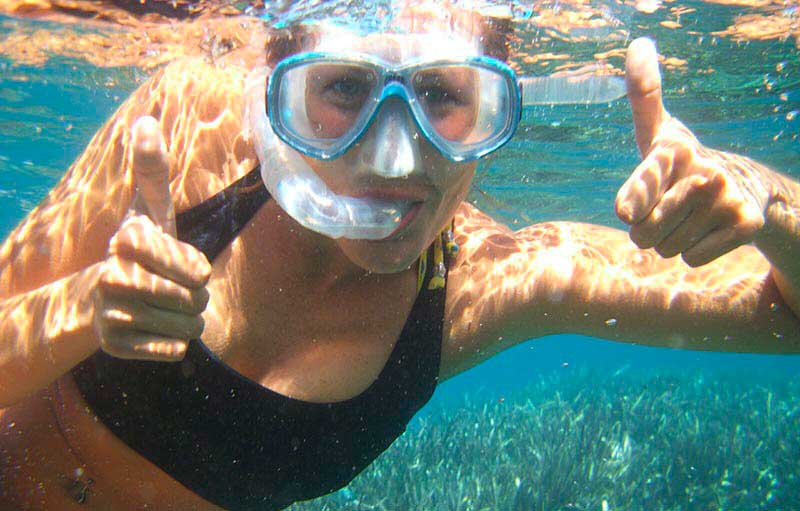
x,y
45,332
682,199
779,239
562,277
53,263
688,199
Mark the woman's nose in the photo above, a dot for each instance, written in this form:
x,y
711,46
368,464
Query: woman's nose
x,y
390,147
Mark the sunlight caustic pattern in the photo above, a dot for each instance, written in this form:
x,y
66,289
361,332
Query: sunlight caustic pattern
x,y
199,107
151,33
533,270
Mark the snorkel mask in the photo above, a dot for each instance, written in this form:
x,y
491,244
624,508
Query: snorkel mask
x,y
304,196
320,104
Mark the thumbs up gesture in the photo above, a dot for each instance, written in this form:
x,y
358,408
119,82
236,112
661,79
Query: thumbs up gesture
x,y
684,198
151,292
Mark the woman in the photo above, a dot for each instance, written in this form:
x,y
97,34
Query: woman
x,y
313,268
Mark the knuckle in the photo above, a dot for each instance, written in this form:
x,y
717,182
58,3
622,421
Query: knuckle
x,y
750,217
662,157
196,327
703,188
643,235
115,346
639,239
204,267
135,234
685,152
175,296
115,317
160,350
677,137
116,275
114,243
199,300
128,233
716,183
110,272
748,226
110,348
193,258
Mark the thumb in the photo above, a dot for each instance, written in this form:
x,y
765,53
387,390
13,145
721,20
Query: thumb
x,y
151,174
643,81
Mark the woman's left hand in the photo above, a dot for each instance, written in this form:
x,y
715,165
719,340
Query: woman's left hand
x,y
684,198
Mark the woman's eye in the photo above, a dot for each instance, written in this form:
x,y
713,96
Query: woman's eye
x,y
347,87
346,93
436,95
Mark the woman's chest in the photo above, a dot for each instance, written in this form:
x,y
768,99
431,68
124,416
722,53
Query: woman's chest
x,y
313,343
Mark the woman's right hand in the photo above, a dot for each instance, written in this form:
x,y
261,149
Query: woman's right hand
x,y
152,289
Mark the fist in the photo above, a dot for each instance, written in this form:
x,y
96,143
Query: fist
x,y
152,289
683,198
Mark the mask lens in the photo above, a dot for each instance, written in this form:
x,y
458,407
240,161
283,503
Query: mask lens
x,y
321,106
322,102
467,106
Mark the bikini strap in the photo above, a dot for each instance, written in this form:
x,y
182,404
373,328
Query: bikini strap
x,y
444,251
211,225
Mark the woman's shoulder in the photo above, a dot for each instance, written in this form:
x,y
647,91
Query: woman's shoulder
x,y
199,106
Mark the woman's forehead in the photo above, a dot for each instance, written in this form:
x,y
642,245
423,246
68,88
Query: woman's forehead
x,y
396,47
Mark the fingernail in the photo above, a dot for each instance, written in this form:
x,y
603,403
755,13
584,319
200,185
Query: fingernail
x,y
146,136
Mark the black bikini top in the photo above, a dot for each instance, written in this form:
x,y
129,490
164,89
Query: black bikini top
x,y
235,443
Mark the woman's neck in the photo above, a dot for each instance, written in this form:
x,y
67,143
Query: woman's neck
x,y
317,259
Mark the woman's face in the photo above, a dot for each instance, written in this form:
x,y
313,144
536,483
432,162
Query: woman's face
x,y
393,161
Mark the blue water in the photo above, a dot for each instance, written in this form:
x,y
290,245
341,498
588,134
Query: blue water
x,y
565,163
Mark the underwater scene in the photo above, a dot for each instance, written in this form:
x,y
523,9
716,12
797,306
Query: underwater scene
x,y
559,423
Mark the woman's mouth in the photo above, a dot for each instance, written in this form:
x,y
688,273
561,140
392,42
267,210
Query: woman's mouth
x,y
408,217
406,201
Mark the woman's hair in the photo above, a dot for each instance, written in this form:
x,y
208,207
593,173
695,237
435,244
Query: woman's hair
x,y
285,42
494,33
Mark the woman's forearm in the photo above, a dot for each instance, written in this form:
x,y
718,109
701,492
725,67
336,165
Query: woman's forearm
x,y
619,292
44,333
779,239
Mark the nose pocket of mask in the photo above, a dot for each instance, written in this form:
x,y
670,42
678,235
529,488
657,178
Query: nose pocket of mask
x,y
391,148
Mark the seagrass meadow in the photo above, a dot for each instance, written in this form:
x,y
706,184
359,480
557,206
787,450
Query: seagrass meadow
x,y
556,424
581,441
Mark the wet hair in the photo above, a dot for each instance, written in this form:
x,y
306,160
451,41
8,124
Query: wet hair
x,y
496,37
285,42
494,33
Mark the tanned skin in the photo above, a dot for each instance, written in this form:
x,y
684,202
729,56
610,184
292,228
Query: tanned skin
x,y
96,266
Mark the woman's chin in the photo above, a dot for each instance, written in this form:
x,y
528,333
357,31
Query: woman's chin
x,y
383,256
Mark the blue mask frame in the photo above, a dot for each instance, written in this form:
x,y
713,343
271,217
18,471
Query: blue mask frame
x,y
394,80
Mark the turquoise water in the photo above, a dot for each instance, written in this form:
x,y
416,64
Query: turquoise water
x,y
565,163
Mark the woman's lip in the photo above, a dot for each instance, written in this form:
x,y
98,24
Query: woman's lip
x,y
392,194
407,218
